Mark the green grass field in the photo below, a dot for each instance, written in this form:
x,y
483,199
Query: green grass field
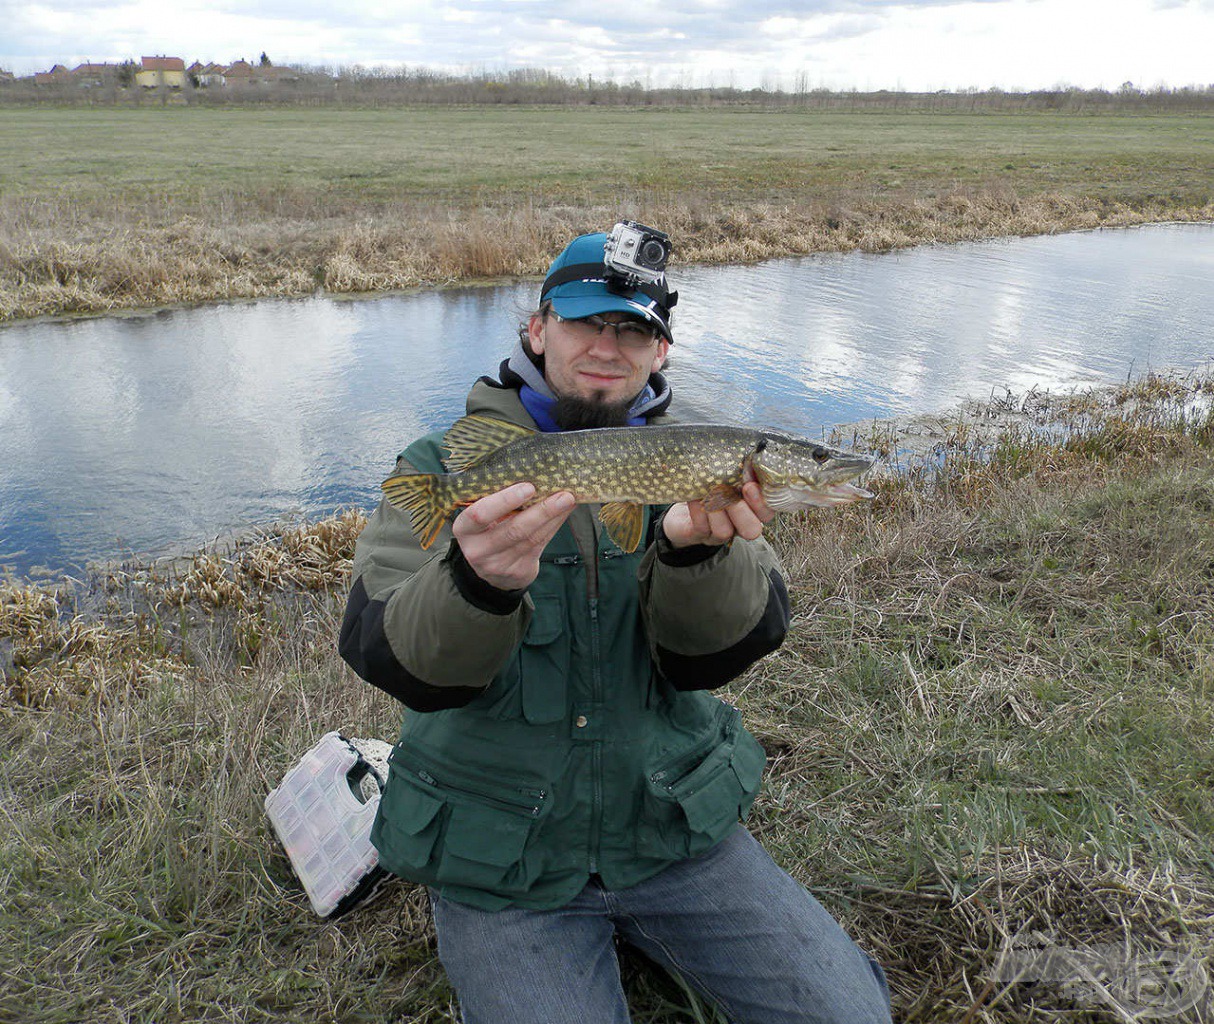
x,y
101,208
381,155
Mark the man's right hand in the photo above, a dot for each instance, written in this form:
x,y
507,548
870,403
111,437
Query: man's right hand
x,y
501,544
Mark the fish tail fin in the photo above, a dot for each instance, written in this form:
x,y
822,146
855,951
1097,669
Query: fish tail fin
x,y
426,500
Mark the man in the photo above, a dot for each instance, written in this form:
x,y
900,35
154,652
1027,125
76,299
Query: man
x,y
563,775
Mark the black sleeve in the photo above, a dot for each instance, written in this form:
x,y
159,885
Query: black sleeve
x,y
363,644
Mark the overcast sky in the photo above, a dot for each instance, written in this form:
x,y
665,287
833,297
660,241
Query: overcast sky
x,y
838,44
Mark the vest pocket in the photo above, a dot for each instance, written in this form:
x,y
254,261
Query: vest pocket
x,y
533,684
694,799
482,844
408,837
544,662
454,829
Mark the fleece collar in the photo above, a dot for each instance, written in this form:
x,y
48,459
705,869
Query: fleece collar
x,y
520,372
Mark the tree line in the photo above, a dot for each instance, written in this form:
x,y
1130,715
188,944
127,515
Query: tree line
x,y
373,87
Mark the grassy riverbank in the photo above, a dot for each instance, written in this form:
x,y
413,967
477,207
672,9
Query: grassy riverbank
x,y
118,208
993,719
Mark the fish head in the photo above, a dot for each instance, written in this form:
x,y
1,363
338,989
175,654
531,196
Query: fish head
x,y
796,473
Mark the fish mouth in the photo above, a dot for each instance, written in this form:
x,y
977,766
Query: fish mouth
x,y
789,497
843,491
842,494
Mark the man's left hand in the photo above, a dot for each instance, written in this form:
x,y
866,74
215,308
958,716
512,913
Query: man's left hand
x,y
689,522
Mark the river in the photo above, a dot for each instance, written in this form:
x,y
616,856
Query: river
x,y
144,434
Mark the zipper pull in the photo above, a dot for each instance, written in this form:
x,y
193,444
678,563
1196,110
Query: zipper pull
x,y
538,795
427,778
567,560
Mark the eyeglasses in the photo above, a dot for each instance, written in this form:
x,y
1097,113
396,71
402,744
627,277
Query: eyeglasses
x,y
632,334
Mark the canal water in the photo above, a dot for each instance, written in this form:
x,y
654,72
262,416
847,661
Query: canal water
x,y
145,434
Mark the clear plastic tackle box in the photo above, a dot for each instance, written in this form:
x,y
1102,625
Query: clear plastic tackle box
x,y
322,812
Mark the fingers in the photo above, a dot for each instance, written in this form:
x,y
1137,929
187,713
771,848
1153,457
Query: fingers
x,y
686,523
503,545
482,514
753,506
699,518
689,523
551,514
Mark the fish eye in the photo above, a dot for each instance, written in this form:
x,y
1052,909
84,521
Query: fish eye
x,y
820,455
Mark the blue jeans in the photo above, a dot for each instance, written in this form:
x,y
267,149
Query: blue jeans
x,y
731,922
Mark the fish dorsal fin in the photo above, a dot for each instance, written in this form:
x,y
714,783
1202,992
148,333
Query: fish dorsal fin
x,y
474,438
624,521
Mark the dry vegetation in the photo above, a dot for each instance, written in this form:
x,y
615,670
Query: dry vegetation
x,y
195,261
992,725
116,208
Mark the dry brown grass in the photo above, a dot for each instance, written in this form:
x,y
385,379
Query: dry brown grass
x,y
194,260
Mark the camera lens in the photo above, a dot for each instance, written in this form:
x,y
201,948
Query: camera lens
x,y
652,254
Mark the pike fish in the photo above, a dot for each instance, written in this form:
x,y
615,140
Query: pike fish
x,y
626,468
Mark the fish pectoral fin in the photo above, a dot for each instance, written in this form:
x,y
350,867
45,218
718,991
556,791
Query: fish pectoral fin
x,y
474,438
721,496
624,521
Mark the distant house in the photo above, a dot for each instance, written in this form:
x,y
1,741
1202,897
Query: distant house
x,y
56,75
155,72
6,76
240,73
92,75
277,73
212,76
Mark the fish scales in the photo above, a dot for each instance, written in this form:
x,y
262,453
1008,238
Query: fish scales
x,y
644,464
625,468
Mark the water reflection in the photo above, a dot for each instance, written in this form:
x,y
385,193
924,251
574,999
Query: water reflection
x,y
163,430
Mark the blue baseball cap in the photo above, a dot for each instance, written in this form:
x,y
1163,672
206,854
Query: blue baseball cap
x,y
578,284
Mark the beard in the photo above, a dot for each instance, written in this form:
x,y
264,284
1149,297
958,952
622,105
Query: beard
x,y
589,413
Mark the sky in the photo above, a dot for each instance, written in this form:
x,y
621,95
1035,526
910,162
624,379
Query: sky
x,y
834,44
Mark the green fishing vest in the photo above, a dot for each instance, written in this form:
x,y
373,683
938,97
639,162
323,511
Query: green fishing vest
x,y
578,759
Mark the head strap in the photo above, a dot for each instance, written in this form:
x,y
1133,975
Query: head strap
x,y
598,272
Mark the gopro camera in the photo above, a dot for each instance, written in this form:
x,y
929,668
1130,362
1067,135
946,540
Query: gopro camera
x,y
637,253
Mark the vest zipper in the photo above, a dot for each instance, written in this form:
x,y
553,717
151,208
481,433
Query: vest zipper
x,y
596,746
531,802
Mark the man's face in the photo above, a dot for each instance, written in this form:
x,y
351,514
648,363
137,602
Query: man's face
x,y
598,370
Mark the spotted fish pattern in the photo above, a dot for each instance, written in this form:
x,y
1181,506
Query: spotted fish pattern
x,y
624,469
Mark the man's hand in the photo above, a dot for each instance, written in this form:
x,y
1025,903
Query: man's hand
x,y
690,523
503,545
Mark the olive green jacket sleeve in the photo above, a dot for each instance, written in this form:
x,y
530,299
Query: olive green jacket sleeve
x,y
712,613
419,624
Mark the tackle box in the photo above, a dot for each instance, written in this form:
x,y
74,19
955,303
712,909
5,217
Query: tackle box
x,y
322,813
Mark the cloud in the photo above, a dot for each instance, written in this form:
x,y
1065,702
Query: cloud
x,y
913,44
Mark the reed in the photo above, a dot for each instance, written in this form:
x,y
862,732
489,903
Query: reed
x,y
991,724
195,262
